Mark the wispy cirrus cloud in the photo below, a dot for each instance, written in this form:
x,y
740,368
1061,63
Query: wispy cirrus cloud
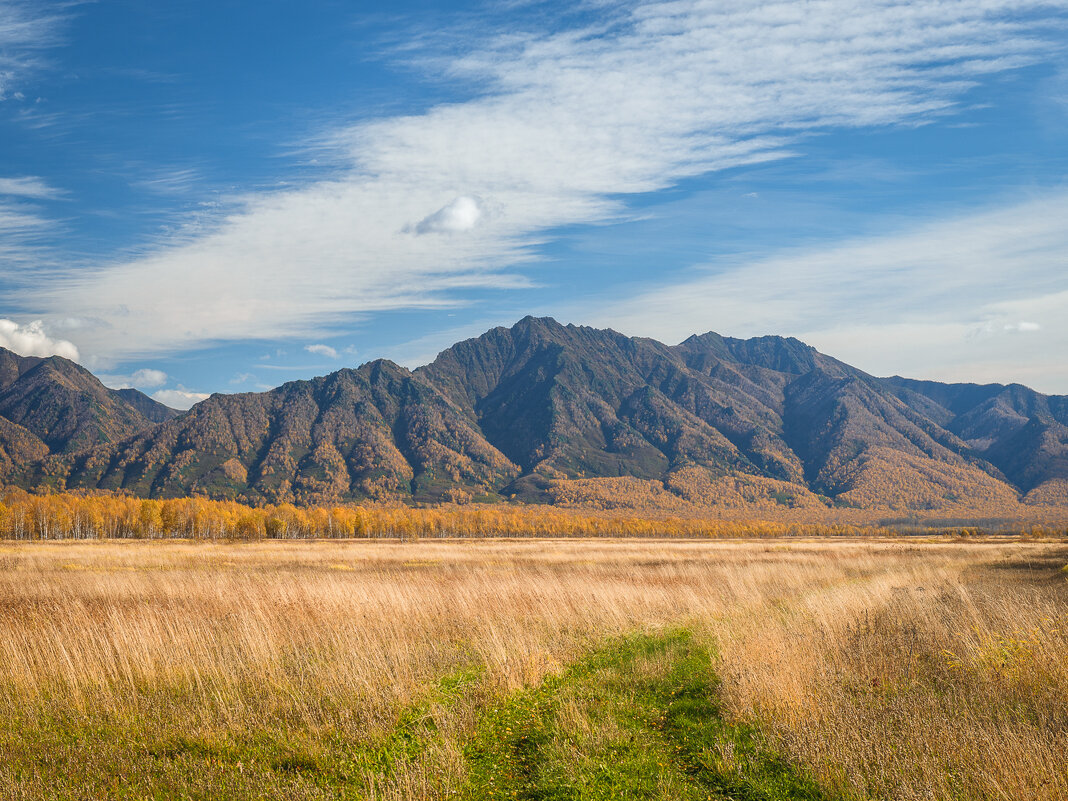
x,y
169,181
18,221
29,186
567,123
23,245
26,30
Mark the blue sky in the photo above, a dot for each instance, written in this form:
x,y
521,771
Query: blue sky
x,y
215,197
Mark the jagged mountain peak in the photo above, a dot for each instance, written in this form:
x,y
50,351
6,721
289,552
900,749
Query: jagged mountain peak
x,y
67,407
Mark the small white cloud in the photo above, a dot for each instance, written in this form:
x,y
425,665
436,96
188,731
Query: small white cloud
x,y
31,340
458,215
149,378
242,378
322,350
180,398
141,379
993,328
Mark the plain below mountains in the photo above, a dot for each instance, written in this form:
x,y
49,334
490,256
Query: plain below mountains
x,y
553,413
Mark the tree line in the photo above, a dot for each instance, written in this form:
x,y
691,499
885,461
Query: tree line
x,y
58,516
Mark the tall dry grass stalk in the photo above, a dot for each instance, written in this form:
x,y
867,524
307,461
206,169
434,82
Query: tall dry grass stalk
x,y
891,669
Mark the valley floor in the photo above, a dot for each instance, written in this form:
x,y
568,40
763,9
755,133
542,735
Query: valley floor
x,y
536,669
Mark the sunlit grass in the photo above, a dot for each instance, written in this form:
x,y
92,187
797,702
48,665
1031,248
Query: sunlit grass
x,y
898,669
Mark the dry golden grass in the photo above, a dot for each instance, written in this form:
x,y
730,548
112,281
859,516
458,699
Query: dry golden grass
x,y
891,669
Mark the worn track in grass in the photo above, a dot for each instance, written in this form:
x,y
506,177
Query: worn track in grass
x,y
638,719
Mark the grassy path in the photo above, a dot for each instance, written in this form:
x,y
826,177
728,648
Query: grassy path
x,y
639,719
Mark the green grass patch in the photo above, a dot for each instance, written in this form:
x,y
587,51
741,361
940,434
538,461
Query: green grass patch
x,y
150,754
638,719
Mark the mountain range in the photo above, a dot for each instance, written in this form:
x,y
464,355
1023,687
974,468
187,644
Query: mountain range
x,y
554,413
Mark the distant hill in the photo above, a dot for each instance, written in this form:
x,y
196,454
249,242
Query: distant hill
x,y
564,414
54,406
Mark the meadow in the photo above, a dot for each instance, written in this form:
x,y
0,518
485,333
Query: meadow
x,y
909,668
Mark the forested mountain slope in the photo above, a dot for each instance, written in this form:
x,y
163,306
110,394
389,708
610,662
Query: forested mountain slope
x,y
52,405
547,412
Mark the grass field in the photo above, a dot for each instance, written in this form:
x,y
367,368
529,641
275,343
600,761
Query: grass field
x,y
591,669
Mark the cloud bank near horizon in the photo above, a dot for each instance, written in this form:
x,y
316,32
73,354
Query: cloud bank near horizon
x,y
568,124
948,300
180,398
145,378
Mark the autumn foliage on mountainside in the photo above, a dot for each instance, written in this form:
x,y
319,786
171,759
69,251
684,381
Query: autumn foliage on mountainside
x,y
52,405
1051,493
689,490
